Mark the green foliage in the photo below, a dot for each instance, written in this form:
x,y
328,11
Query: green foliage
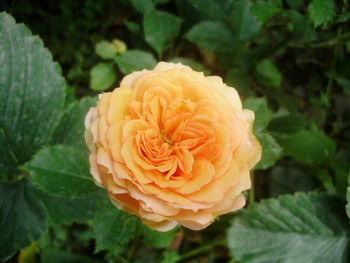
x,y
287,59
298,228
22,217
321,12
102,76
112,227
134,60
267,74
213,36
159,29
244,23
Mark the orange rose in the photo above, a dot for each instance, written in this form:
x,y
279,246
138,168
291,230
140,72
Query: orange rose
x,y
172,146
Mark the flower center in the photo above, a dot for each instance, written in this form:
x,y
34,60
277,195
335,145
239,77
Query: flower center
x,y
165,138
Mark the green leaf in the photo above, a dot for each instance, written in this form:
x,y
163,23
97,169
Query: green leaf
x,y
271,151
293,228
243,22
54,255
240,80
264,10
170,257
142,6
135,60
212,35
312,147
321,12
287,124
102,76
31,91
290,179
300,26
22,217
61,171
66,211
70,130
105,50
262,112
191,63
213,9
267,74
160,28
133,27
8,159
112,227
157,239
295,4
343,17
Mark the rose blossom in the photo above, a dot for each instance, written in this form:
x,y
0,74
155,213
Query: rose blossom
x,y
172,146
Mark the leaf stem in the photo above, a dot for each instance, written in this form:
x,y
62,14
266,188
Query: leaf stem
x,y
251,197
202,249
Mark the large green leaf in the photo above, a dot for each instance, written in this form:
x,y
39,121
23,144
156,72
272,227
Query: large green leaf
x,y
31,91
293,228
243,22
286,124
135,60
321,11
264,10
142,6
212,35
8,160
70,129
22,217
61,171
160,28
66,211
112,227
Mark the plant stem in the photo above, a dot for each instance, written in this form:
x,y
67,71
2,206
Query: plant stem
x,y
202,249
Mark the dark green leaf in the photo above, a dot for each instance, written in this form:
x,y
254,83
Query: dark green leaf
x,y
287,124
321,12
213,9
160,28
31,91
54,255
157,239
343,17
66,211
240,80
212,35
134,60
22,217
271,151
61,171
191,63
105,50
70,129
133,27
267,74
262,112
264,10
293,228
102,76
142,6
312,147
290,179
8,159
113,227
295,3
244,23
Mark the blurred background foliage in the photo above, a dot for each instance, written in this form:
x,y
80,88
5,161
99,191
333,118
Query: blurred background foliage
x,y
289,61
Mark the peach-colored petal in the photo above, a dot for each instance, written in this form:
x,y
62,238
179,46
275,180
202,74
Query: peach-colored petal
x,y
119,105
